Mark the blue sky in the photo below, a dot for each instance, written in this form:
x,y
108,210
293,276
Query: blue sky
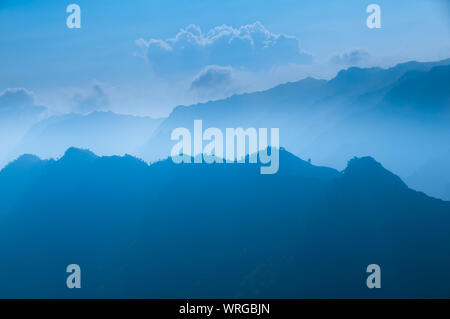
x,y
111,60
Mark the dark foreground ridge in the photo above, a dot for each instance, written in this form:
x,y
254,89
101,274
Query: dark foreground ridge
x,y
210,231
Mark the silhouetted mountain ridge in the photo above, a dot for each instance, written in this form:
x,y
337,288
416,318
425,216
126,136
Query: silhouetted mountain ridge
x,y
419,88
400,115
106,133
221,230
366,171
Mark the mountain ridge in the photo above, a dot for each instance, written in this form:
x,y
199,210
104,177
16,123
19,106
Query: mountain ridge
x,y
363,168
387,113
170,230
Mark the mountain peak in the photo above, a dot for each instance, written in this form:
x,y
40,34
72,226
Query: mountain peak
x,y
27,159
24,161
366,170
356,163
77,154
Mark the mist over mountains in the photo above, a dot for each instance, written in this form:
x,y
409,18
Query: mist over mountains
x,y
18,112
105,133
398,115
224,150
219,230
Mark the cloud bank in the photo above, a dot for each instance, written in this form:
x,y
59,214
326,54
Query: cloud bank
x,y
18,102
251,46
355,57
214,82
94,100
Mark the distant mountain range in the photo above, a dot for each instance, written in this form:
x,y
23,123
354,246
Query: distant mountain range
x,y
400,115
220,230
15,121
105,133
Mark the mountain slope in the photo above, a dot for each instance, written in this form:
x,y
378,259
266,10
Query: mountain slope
x,y
305,109
15,121
199,230
399,115
106,133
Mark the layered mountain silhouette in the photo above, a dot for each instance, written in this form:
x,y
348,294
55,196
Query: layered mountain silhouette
x,y
399,115
16,117
105,133
219,230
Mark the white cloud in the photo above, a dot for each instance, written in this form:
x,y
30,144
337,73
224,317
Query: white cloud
x,y
250,46
355,57
214,82
18,102
94,100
